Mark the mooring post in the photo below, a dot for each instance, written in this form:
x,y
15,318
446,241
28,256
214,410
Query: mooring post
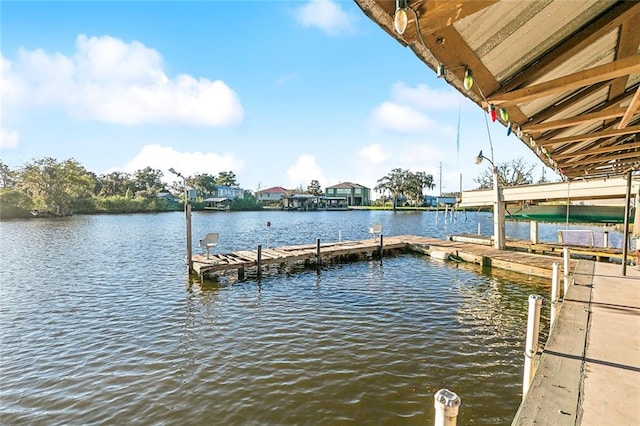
x,y
565,257
380,249
187,212
555,292
478,228
339,235
318,253
259,260
446,404
240,274
533,232
531,347
605,237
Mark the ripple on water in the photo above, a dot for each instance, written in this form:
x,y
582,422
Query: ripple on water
x,y
362,343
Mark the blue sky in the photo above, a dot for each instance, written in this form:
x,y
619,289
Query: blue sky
x,y
280,92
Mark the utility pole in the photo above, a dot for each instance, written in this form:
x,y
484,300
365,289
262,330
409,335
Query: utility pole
x,y
441,178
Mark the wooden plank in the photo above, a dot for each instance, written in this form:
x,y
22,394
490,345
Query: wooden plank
x,y
555,390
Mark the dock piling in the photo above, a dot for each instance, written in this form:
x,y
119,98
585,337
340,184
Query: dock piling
x,y
318,253
447,404
565,268
555,292
259,260
381,248
531,348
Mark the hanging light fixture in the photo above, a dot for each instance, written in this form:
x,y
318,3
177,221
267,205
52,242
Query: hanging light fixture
x,y
509,130
440,71
400,18
468,79
504,115
519,132
492,111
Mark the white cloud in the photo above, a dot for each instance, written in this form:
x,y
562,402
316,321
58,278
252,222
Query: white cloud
x,y
303,171
8,139
401,118
108,79
373,154
326,15
187,163
423,97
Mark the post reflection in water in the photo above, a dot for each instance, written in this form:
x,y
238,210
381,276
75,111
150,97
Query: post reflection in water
x,y
105,327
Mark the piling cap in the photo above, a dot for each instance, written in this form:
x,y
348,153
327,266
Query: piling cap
x,y
447,398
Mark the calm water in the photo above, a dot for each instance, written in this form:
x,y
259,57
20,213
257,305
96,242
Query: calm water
x,y
101,325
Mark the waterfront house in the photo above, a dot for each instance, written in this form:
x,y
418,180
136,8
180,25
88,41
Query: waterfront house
x,y
271,196
303,202
355,194
442,200
224,191
167,196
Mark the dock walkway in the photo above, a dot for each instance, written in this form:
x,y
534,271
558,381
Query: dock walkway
x,y
319,253
589,371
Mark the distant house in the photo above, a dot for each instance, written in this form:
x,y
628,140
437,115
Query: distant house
x,y
355,194
271,196
231,192
431,201
168,197
303,202
217,203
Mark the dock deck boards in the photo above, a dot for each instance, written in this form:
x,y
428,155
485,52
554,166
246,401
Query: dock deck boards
x,y
589,371
482,254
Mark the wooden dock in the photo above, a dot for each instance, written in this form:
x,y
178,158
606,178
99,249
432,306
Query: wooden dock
x,y
589,371
255,261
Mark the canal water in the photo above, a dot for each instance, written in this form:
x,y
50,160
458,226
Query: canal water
x,y
100,324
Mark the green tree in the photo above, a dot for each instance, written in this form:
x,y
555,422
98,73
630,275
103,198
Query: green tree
x,y
7,176
148,182
393,183
116,183
510,173
203,183
54,185
415,185
314,188
226,179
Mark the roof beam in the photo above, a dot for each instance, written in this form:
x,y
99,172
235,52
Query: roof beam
x,y
576,43
593,151
579,119
605,160
633,107
570,82
594,135
434,15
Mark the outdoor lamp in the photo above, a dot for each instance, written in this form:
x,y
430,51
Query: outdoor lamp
x,y
479,158
400,18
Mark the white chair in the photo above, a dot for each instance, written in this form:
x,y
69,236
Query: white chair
x,y
376,230
209,241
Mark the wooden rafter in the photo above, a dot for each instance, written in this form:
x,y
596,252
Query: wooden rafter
x,y
603,150
570,82
437,14
631,110
594,135
579,119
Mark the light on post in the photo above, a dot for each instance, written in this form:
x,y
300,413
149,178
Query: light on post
x,y
498,209
187,218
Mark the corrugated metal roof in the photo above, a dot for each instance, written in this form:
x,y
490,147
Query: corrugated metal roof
x,y
566,72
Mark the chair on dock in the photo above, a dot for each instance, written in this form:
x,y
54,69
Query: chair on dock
x,y
209,241
376,230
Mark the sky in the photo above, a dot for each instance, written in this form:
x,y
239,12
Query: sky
x,y
279,92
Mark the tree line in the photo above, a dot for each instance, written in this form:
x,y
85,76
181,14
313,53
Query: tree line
x,y
63,187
